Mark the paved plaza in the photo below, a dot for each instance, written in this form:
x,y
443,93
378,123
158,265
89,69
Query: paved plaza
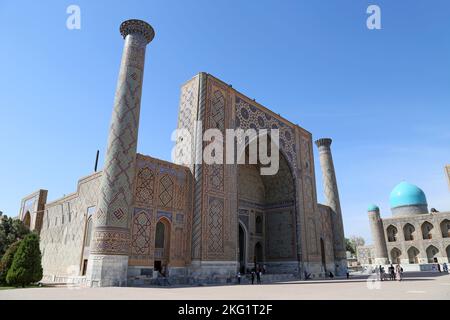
x,y
421,286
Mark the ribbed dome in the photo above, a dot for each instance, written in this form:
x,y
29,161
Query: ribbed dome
x,y
407,194
373,207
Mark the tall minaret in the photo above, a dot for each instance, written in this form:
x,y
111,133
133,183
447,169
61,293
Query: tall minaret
x,y
379,241
110,244
332,200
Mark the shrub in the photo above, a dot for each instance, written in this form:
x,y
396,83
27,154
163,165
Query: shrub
x,y
7,260
11,230
26,267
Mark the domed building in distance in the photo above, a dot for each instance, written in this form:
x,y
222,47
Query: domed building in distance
x,y
413,236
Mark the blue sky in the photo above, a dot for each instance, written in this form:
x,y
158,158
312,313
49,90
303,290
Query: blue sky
x,y
382,95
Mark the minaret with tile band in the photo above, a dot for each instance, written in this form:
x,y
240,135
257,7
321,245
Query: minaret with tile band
x,y
332,200
110,243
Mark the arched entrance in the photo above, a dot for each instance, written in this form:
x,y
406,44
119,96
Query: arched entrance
x,y
409,232
270,202
432,253
242,249
392,233
448,253
427,230
395,255
322,253
27,220
259,259
162,246
413,255
445,228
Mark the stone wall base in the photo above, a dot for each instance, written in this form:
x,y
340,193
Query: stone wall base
x,y
107,271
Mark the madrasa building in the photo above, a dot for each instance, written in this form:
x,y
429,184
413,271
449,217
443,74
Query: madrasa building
x,y
413,236
141,218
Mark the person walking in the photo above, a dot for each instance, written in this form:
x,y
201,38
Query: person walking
x,y
258,277
239,277
253,277
398,272
445,267
392,272
439,267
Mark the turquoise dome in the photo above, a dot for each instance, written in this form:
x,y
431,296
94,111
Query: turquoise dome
x,y
373,207
407,194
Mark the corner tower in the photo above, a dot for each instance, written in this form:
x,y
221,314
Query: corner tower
x,y
379,241
332,200
110,244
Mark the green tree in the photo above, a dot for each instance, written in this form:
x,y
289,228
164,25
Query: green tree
x,y
11,230
352,243
26,267
7,260
349,246
357,241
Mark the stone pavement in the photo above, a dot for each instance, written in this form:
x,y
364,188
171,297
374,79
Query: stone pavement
x,y
420,286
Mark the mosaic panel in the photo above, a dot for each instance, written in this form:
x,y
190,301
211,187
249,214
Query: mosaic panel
x,y
145,186
166,187
249,116
141,240
215,226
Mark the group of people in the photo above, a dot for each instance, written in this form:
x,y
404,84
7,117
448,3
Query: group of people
x,y
255,273
393,273
437,267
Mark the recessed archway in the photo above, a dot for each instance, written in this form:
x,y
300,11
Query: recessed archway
x,y
409,232
395,255
445,228
27,220
392,233
259,258
162,245
322,254
88,233
427,232
242,248
448,253
259,224
432,253
413,255
271,198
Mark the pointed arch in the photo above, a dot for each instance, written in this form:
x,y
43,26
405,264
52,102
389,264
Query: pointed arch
x,y
323,254
242,232
432,253
259,255
395,255
259,224
162,233
409,232
392,233
27,220
413,255
445,228
427,230
88,235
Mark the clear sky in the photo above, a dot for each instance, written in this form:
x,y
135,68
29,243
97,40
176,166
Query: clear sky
x,y
382,95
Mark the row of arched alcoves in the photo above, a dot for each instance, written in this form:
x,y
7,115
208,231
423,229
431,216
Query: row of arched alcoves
x,y
427,230
413,254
